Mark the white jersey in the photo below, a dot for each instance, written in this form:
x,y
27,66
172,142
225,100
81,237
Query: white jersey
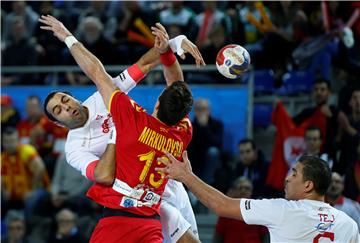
x,y
300,221
85,145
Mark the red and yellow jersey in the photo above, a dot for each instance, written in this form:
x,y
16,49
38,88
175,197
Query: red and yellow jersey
x,y
50,129
141,139
16,171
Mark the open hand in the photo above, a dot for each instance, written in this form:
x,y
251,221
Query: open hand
x,y
174,168
161,38
55,26
193,50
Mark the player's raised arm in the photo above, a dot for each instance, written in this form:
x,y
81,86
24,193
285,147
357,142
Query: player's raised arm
x,y
222,205
89,63
172,69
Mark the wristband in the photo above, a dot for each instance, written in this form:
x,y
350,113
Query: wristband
x,y
175,44
135,73
70,40
168,58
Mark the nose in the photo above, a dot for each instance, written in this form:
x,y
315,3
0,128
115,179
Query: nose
x,y
68,108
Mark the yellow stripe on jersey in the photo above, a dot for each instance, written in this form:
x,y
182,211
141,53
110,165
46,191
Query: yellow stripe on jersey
x,y
111,98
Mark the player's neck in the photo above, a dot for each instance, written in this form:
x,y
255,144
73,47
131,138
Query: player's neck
x,y
314,196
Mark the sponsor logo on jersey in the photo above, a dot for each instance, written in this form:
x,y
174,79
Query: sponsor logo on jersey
x,y
247,204
105,125
322,227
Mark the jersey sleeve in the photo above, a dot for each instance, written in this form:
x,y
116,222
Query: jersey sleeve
x,y
266,212
128,79
122,110
83,161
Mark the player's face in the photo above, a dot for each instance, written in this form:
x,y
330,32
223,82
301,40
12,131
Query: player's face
x,y
295,184
67,110
321,93
337,186
355,101
247,153
313,140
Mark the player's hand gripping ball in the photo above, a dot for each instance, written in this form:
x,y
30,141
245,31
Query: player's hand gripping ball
x,y
232,61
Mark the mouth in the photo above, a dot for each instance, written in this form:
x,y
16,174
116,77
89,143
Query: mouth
x,y
75,112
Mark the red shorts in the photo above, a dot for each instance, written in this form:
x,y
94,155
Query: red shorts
x,y
122,229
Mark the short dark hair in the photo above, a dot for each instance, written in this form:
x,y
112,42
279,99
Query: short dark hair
x,y
317,171
174,103
248,140
321,81
313,128
47,99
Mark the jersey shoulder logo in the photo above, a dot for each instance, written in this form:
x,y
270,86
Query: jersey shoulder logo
x,y
137,107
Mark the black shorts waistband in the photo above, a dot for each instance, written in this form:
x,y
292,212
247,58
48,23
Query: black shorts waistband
x,y
109,212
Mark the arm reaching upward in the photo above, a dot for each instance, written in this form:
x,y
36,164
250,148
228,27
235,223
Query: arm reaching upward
x,y
172,69
89,63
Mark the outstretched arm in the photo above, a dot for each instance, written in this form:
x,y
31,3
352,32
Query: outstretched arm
x,y
89,63
171,67
222,205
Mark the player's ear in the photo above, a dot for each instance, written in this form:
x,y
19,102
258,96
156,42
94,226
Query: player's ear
x,y
309,186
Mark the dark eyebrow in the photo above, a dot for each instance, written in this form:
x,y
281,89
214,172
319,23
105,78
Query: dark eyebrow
x,y
294,170
62,98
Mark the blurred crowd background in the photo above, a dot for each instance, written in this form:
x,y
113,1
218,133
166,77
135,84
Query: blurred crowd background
x,y
298,50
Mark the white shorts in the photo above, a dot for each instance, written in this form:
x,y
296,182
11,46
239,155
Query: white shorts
x,y
176,213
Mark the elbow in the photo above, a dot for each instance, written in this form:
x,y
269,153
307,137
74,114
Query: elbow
x,y
106,179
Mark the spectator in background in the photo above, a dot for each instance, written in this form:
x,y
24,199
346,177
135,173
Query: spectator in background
x,y
20,10
349,133
66,231
217,40
352,177
132,21
37,130
231,230
16,228
205,148
335,198
322,115
313,140
51,50
99,9
207,20
179,17
23,173
9,114
252,165
68,189
91,34
19,51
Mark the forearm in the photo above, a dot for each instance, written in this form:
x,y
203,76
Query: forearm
x,y
149,61
173,73
104,172
94,70
222,205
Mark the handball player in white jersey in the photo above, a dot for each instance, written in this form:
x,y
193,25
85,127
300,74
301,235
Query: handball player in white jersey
x,y
302,217
92,129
